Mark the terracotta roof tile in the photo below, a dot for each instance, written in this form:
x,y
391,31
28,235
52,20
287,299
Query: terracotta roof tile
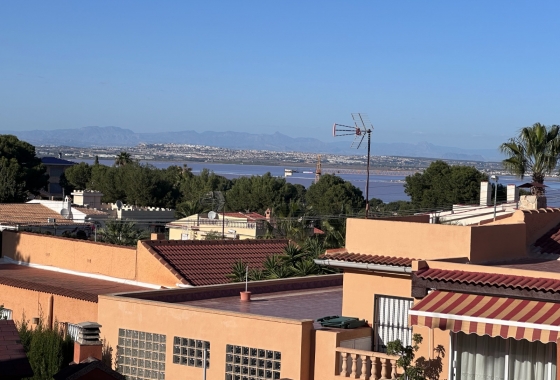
x,y
29,214
490,279
13,361
203,262
252,216
367,259
67,285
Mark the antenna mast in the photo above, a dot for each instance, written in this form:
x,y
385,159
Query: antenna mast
x,y
362,126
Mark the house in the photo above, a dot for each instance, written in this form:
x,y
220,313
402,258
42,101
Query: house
x,y
62,278
233,225
55,168
35,217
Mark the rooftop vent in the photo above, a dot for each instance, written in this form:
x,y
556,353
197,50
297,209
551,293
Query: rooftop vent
x,y
89,333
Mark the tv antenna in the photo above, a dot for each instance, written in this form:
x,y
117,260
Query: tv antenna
x,y
362,126
216,201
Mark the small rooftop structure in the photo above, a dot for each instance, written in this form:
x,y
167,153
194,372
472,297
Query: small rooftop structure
x,y
91,368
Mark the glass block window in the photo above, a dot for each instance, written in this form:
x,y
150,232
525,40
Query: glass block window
x,y
248,363
141,355
187,351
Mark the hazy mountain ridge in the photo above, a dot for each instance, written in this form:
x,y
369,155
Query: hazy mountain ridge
x,y
117,137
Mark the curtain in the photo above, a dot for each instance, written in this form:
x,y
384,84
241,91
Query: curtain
x,y
531,360
480,357
484,358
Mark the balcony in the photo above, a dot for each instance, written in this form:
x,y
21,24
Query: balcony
x,y
365,365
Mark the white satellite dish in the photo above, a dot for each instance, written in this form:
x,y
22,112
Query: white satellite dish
x,y
212,215
119,204
67,214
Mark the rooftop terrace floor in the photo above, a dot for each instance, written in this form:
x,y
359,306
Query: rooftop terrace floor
x,y
297,304
540,265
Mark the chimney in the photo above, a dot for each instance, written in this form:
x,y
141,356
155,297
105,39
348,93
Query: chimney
x,y
512,193
88,343
267,214
157,236
485,193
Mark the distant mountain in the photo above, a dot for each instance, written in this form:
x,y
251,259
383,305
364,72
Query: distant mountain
x,y
120,137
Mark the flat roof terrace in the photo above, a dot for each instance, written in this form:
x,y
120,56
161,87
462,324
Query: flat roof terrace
x,y
296,304
299,298
535,264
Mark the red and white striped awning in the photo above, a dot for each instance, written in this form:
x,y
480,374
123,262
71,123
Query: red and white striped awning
x,y
486,315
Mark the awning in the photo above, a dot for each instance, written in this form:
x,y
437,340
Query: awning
x,y
486,315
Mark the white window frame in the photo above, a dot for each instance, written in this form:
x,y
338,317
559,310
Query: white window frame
x,y
401,325
6,314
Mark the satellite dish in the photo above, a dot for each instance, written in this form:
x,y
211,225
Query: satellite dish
x,y
212,215
67,214
119,204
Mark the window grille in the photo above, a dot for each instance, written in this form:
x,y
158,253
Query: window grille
x,y
190,352
6,314
247,363
141,355
73,330
391,321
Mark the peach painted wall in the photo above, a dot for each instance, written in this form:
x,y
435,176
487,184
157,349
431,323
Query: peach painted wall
x,y
435,241
72,254
35,304
151,270
539,222
406,239
290,337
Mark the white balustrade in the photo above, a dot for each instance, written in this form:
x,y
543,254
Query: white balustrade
x,y
365,365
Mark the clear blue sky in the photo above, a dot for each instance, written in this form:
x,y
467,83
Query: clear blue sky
x,y
456,73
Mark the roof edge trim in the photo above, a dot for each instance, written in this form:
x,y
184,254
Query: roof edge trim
x,y
365,266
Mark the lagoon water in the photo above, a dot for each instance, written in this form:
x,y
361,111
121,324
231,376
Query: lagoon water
x,y
388,188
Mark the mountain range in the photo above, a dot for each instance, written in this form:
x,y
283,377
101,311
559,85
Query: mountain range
x,y
120,137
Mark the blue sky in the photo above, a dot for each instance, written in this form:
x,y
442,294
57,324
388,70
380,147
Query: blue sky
x,y
457,73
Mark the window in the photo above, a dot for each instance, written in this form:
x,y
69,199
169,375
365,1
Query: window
x,y
190,352
391,321
5,314
141,355
55,188
247,363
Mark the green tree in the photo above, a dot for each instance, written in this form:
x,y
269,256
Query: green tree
x,y
213,235
194,187
257,193
21,171
123,158
421,368
536,149
442,185
121,233
332,195
47,349
78,176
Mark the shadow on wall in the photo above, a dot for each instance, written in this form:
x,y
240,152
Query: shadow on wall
x,y
432,367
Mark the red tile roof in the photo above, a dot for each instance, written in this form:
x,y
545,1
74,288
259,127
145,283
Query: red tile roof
x,y
13,361
491,279
252,216
67,285
549,242
34,214
208,262
366,259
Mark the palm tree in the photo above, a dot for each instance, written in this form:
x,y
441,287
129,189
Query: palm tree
x,y
534,150
121,233
122,159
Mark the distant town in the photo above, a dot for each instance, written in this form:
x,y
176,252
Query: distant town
x,y
203,153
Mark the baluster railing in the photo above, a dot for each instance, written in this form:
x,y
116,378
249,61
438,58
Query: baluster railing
x,y
365,365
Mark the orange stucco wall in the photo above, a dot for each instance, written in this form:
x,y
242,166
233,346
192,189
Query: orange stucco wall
x,y
290,337
435,241
72,254
36,304
150,270
88,257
